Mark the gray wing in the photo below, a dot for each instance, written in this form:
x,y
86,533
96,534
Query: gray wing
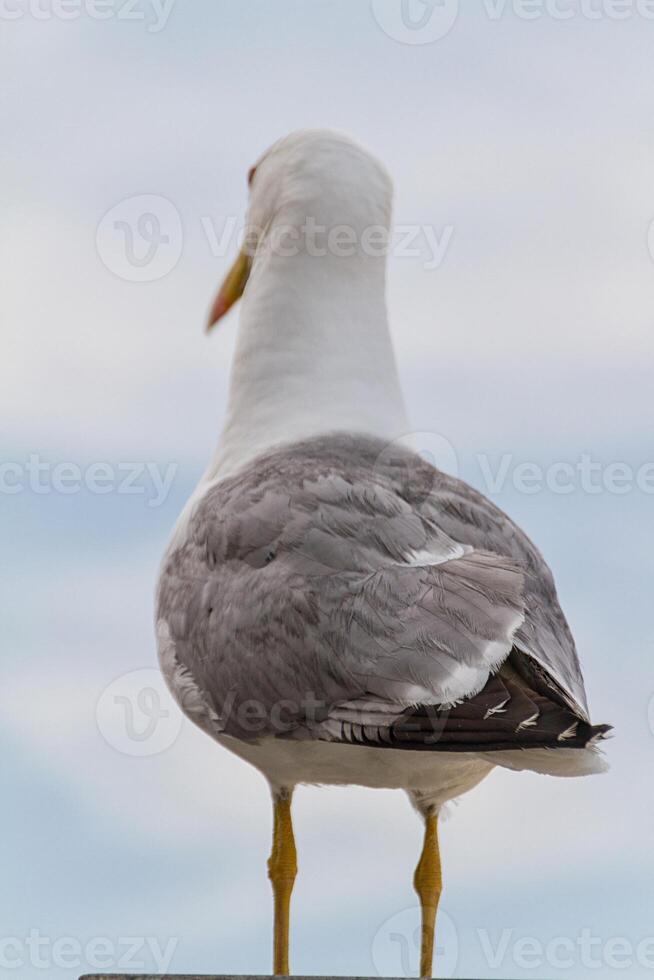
x,y
331,584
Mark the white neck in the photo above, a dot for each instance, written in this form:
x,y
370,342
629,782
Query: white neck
x,y
314,355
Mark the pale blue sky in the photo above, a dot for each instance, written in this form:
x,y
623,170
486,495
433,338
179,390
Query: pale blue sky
x,y
532,342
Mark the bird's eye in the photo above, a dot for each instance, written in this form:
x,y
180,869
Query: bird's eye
x,y
251,172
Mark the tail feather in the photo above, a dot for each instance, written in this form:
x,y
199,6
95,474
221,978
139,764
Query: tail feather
x,y
508,715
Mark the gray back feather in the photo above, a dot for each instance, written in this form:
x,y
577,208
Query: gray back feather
x,y
335,571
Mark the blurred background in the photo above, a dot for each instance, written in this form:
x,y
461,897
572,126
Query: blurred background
x,y
521,134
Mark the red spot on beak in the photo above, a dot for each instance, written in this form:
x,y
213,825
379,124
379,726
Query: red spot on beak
x,y
218,310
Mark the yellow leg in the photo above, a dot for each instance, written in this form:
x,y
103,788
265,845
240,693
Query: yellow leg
x,y
427,881
282,869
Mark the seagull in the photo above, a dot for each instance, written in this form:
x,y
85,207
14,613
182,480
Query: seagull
x,y
331,607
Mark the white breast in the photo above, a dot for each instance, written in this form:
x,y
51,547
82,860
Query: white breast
x,y
435,777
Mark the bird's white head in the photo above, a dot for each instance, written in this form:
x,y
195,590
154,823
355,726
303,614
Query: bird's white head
x,y
315,192
314,353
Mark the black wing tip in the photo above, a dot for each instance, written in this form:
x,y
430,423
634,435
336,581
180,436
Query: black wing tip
x,y
506,715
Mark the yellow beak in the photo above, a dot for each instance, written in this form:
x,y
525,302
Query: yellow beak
x,y
231,289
